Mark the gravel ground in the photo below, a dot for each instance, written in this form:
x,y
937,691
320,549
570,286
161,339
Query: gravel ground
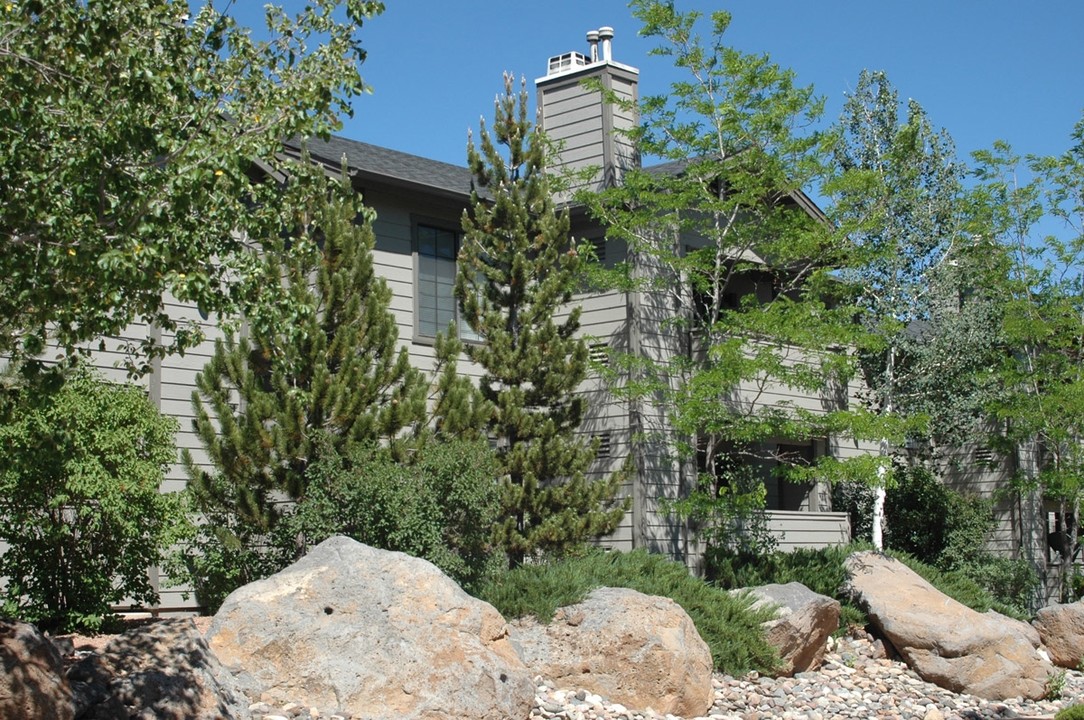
x,y
856,680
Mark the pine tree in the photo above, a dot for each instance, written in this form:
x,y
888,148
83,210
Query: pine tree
x,y
457,408
517,273
319,357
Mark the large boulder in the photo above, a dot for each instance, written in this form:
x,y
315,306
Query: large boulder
x,y
1025,629
371,633
803,622
637,650
33,683
163,671
942,640
1061,628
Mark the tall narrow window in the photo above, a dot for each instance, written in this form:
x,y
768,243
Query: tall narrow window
x,y
436,303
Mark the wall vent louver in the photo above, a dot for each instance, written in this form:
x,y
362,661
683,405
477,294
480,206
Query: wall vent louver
x,y
598,353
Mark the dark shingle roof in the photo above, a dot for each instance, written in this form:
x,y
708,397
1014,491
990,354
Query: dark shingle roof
x,y
677,167
412,171
391,166
673,167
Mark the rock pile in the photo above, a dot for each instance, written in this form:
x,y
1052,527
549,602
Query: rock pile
x,y
856,681
32,684
803,622
1061,629
164,671
351,632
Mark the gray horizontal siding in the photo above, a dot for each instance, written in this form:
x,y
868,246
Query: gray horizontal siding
x,y
795,530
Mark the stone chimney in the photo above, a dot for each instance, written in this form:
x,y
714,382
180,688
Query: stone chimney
x,y
584,128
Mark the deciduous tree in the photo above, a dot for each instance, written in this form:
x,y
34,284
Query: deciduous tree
x,y
898,199
135,140
1033,207
736,262
81,515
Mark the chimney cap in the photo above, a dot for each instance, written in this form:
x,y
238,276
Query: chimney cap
x,y
600,51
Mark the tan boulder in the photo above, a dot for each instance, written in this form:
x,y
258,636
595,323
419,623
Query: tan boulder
x,y
1061,628
803,622
942,640
638,650
371,633
33,683
1025,629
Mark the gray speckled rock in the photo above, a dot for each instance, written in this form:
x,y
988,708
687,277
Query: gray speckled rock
x,y
372,633
163,671
32,684
637,650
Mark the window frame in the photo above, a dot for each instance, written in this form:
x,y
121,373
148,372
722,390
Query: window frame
x,y
417,223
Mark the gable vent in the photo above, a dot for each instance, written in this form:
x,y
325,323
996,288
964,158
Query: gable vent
x,y
598,354
598,245
604,445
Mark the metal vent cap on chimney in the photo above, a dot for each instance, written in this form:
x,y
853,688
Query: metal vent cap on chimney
x,y
600,50
606,36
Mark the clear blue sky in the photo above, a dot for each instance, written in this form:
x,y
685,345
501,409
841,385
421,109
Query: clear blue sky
x,y
983,69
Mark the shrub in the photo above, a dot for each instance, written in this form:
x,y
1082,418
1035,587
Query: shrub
x,y
1013,583
1073,712
925,519
725,622
1054,688
81,464
822,572
440,506
819,570
855,499
933,523
219,555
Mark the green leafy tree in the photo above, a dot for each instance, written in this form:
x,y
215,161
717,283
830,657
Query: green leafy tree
x,y
737,264
951,356
1033,208
517,273
898,198
319,358
81,464
128,135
